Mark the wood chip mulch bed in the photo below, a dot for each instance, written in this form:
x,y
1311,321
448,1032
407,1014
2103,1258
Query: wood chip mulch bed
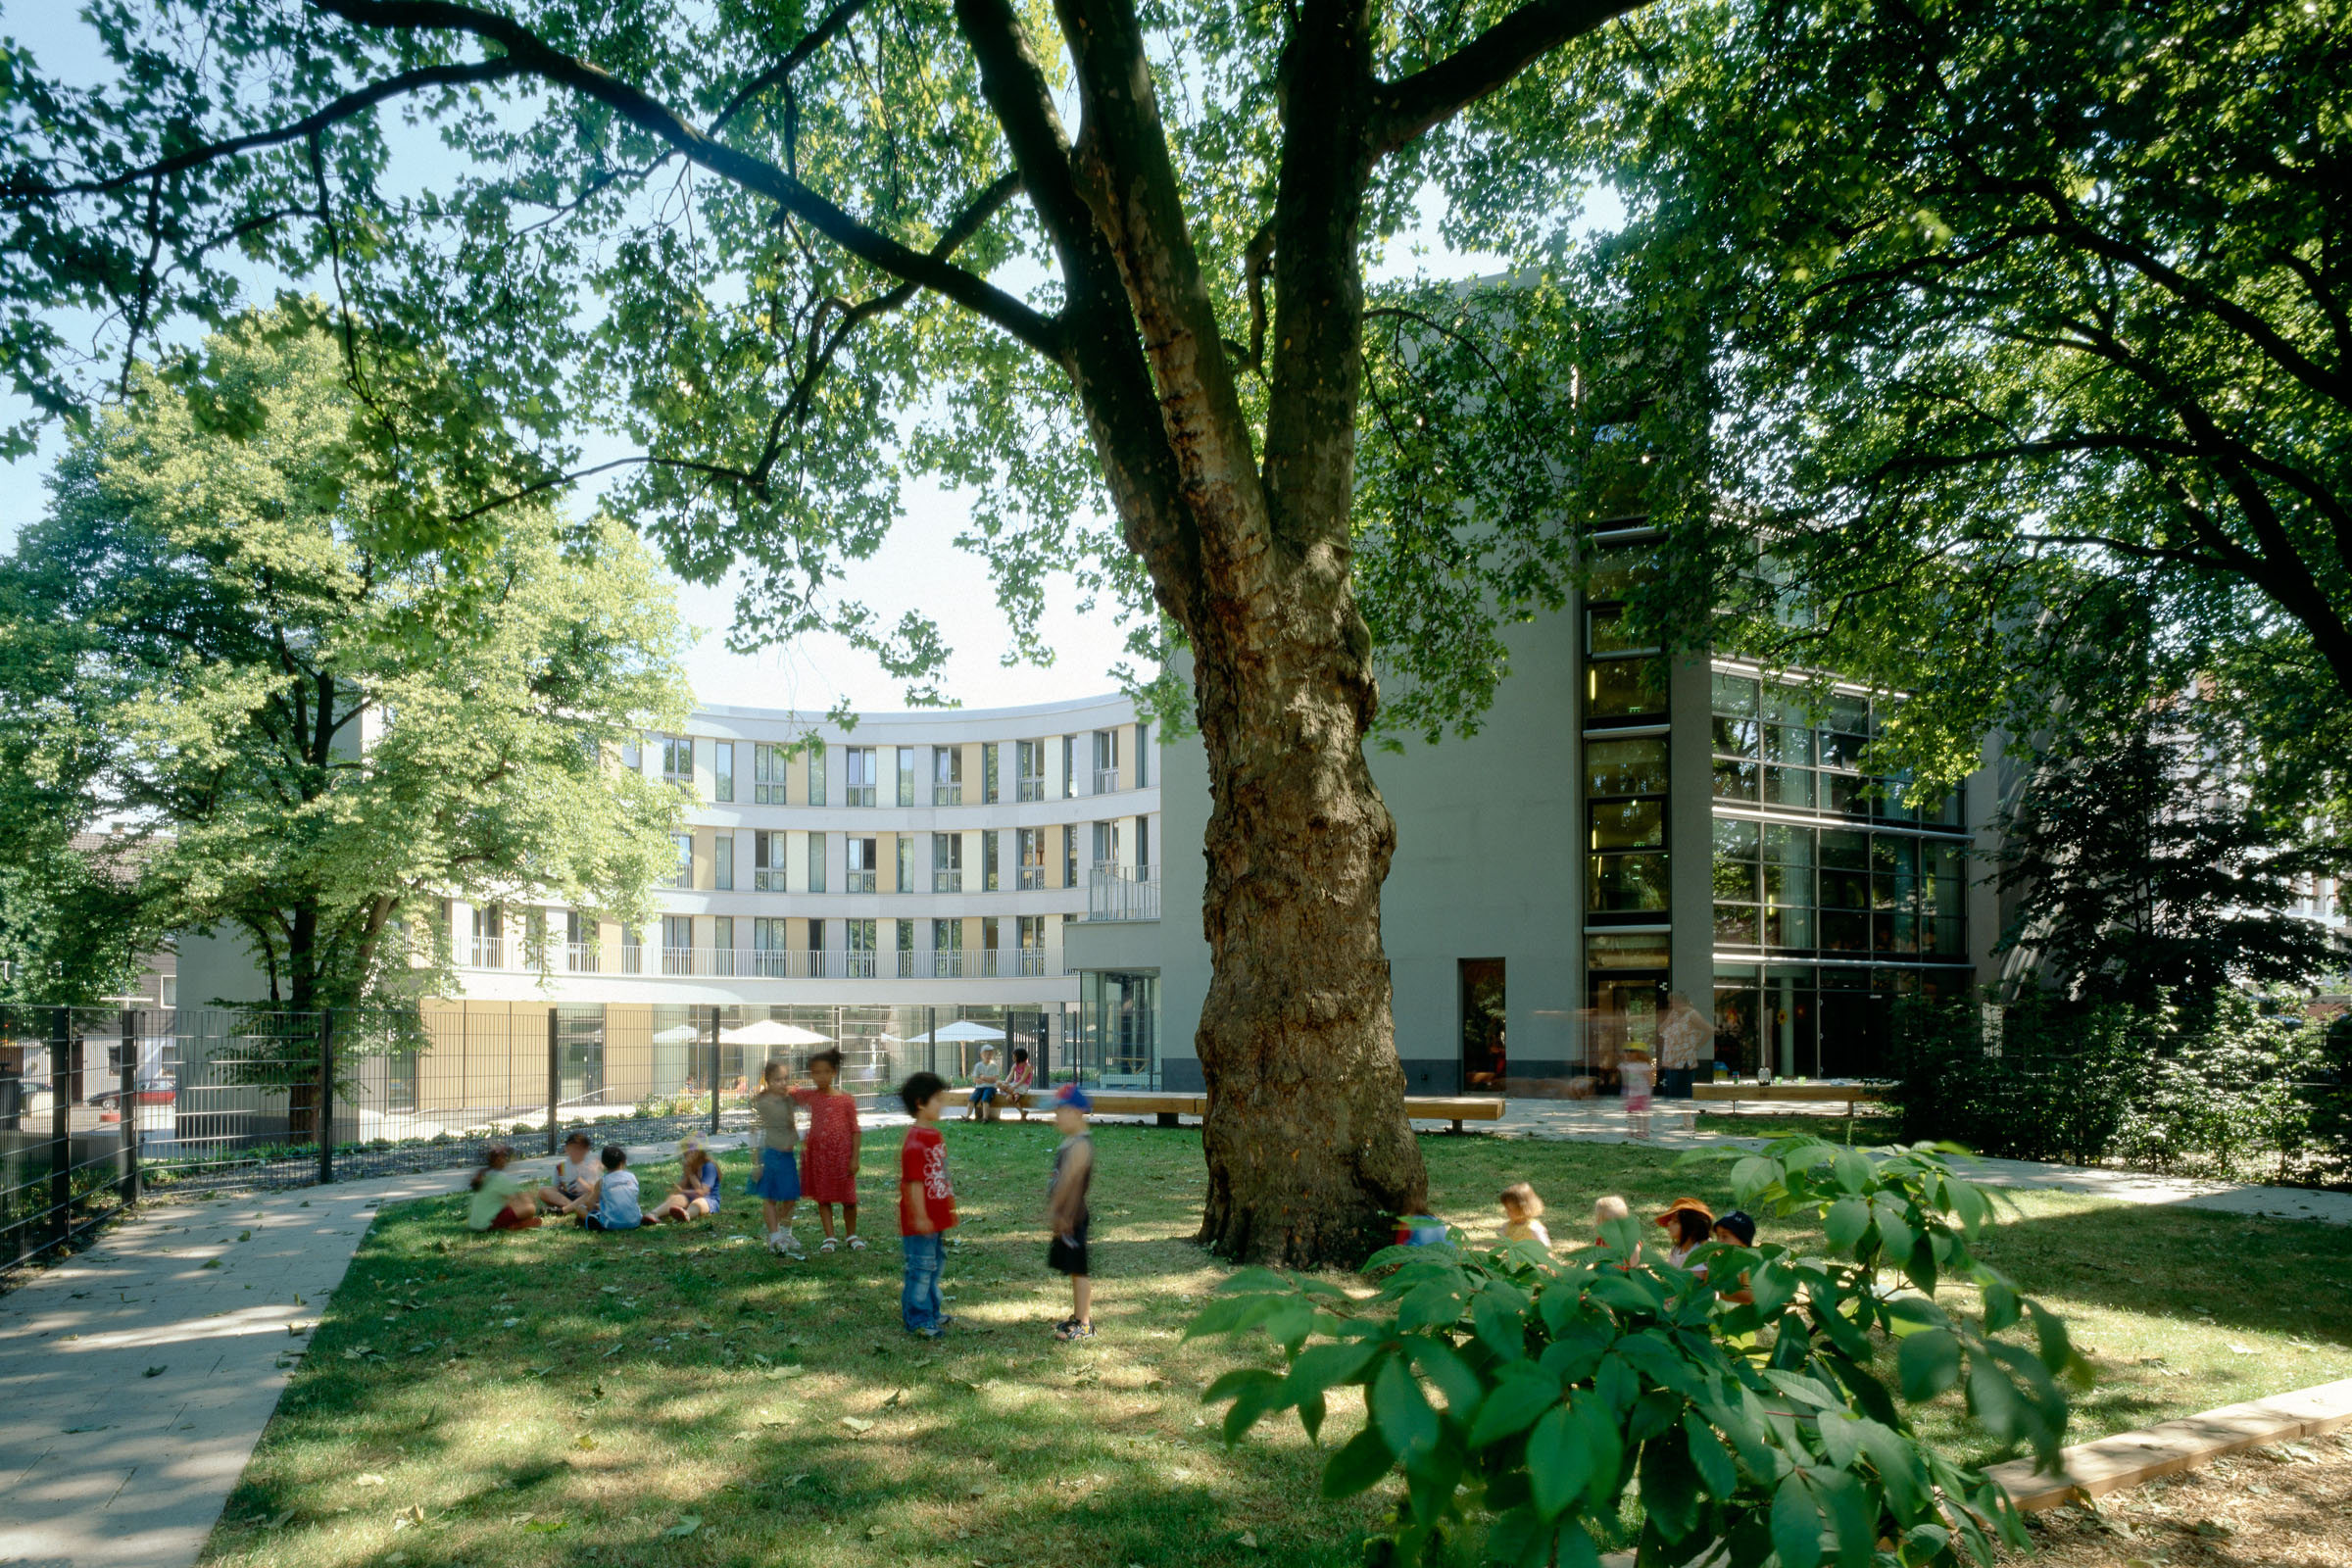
x,y
2285,1505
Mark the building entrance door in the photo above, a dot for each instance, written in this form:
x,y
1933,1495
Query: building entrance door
x,y
1626,1011
1485,1057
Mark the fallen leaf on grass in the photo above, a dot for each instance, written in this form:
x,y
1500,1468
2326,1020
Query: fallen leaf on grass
x,y
895,1397
1249,1539
585,1444
413,1514
855,1424
873,1532
367,1481
686,1526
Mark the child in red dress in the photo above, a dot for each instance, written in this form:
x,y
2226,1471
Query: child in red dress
x,y
829,1152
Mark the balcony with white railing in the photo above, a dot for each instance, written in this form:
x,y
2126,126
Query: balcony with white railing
x,y
793,963
486,953
947,794
771,880
1033,878
1122,891
858,881
946,881
1029,789
1106,781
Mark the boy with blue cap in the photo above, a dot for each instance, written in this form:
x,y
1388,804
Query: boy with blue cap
x,y
1066,1213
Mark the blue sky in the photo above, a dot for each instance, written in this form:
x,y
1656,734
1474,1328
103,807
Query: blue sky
x,y
918,567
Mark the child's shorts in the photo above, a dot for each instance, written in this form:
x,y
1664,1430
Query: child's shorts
x,y
591,1222
1067,1254
779,1178
508,1220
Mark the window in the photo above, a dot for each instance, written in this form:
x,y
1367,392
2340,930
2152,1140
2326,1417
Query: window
x,y
947,775
1106,762
767,775
722,770
1069,766
1106,845
677,760
1070,855
767,863
988,772
677,943
906,756
816,862
906,948
579,942
1143,846
682,875
1142,755
988,859
862,865
632,951
1033,945
722,863
1793,887
815,751
816,950
946,862
947,948
769,939
723,944
1624,679
859,942
1029,764
906,866
1032,846
862,771
1625,824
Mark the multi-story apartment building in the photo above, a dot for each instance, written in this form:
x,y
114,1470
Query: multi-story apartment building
x,y
907,880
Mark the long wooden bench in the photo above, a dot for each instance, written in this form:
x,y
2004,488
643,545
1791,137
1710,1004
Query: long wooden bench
x,y
1837,1094
1456,1109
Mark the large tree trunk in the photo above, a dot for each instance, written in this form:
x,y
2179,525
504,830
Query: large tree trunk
x,y
1310,1152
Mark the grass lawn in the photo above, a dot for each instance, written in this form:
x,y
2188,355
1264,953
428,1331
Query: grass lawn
x,y
552,1398
1868,1129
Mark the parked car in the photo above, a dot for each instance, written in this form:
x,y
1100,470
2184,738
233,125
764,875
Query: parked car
x,y
157,1089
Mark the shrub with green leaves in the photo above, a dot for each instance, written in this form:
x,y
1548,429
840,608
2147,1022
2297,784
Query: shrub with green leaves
x,y
1575,1405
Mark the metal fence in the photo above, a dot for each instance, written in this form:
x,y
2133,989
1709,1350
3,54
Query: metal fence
x,y
98,1105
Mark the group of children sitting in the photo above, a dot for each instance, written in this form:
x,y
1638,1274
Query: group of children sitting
x,y
822,1168
1688,1224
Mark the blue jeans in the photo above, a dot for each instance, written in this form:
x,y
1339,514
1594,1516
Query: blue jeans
x,y
918,1299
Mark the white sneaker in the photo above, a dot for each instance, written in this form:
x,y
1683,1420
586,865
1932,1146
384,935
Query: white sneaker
x,y
790,1246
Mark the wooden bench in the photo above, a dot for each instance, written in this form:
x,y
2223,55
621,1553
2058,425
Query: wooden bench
x,y
1837,1094
1167,1108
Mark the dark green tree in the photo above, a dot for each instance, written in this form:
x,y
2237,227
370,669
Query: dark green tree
x,y
758,241
2018,317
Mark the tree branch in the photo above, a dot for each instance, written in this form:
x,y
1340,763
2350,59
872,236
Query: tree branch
x,y
826,30
1404,109
534,56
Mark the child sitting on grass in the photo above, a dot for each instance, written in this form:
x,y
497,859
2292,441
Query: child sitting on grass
x,y
612,1203
697,1190
1066,1212
502,1200
1523,1213
575,1173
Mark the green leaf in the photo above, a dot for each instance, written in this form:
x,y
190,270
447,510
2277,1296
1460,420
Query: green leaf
x,y
1257,1282
1400,1409
1311,1411
1320,1367
1250,1404
1289,1323
1669,1486
2056,1347
1439,1362
2001,1308
1709,1457
1559,1462
1522,1392
1230,1314
1752,1175
1846,1220
1920,1267
1499,1329
1895,1231
1772,1287
1796,1524
1851,1169
1841,1437
1627,1293
1358,1465
1896,1460
1604,1448
1435,1304
1927,1363
1234,1382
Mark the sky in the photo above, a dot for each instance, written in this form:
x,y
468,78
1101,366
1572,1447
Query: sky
x,y
918,567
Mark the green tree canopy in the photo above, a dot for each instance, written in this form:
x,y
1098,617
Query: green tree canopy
x,y
2022,322
224,635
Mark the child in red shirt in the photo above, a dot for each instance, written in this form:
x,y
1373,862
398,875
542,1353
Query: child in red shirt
x,y
927,1205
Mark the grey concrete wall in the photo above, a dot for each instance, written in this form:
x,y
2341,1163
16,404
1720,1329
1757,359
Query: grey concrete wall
x,y
1488,864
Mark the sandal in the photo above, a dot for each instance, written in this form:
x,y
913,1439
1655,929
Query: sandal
x,y
1075,1330
856,1243
826,1245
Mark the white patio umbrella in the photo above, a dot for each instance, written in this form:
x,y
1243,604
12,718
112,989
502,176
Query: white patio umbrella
x,y
680,1034
964,1029
772,1032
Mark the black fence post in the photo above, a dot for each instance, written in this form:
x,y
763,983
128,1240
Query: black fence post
x,y
61,1122
326,1117
715,1070
555,1079
130,1104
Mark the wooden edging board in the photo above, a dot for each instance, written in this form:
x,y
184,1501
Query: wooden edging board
x,y
2132,1458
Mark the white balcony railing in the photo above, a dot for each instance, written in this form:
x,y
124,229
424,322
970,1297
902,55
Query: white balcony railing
x,y
771,880
795,963
946,881
488,953
1033,878
1030,789
858,881
860,795
947,794
1106,781
1122,891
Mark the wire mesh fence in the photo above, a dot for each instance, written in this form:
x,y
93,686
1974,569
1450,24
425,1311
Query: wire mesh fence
x,y
99,1105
